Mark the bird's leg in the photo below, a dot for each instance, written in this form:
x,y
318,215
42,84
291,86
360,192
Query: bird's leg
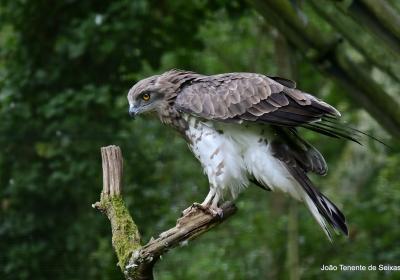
x,y
203,205
214,208
210,196
209,205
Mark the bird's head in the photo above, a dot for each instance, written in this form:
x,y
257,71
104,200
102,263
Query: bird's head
x,y
157,93
146,95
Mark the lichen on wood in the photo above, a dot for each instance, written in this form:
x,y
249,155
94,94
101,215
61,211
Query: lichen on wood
x,y
136,261
125,234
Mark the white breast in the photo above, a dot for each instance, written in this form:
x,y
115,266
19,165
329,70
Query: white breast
x,y
219,155
230,153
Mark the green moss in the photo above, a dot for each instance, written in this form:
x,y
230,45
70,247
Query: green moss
x,y
125,234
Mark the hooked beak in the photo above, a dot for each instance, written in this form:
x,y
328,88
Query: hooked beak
x,y
133,111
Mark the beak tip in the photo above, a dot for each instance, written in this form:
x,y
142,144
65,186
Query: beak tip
x,y
132,113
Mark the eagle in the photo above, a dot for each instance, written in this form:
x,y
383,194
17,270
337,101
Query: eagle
x,y
243,128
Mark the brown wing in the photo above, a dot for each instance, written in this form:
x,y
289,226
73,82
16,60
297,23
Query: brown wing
x,y
286,82
223,96
236,97
251,97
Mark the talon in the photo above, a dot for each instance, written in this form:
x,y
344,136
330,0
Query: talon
x,y
209,209
209,205
212,210
219,212
187,210
190,208
215,211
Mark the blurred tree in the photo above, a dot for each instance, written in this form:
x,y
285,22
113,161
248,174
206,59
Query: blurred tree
x,y
65,68
326,51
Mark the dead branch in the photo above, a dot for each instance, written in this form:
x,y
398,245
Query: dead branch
x,y
136,261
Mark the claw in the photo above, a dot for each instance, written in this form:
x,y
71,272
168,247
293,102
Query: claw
x,y
216,211
187,210
209,209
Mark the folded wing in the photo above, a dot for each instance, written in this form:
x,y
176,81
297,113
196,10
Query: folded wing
x,y
236,97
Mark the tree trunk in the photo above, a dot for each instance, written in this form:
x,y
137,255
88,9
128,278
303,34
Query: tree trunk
x,y
380,18
332,59
361,41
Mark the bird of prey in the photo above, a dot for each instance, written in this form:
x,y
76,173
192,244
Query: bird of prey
x,y
242,127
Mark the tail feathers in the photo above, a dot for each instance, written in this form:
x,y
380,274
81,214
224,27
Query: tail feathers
x,y
323,210
331,214
317,216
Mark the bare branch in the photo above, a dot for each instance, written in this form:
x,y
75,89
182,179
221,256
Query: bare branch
x,y
112,163
135,261
188,227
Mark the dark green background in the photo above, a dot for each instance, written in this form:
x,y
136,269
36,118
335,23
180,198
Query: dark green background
x,y
65,70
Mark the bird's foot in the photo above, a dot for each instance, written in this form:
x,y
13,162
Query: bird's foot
x,y
215,211
187,210
209,209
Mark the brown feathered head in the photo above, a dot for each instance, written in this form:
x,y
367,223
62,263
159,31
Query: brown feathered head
x,y
155,93
145,96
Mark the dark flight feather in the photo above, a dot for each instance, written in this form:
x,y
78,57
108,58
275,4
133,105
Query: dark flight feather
x,y
286,82
255,98
301,152
326,208
251,97
298,169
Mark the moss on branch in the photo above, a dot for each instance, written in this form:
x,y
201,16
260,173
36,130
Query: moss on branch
x,y
125,234
136,261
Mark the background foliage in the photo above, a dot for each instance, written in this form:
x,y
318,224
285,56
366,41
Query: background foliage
x,y
65,69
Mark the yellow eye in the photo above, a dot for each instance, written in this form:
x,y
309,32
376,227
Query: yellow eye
x,y
146,96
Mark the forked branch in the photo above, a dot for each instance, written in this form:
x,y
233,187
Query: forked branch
x,y
136,261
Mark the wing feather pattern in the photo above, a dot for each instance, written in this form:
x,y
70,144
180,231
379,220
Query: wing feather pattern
x,y
257,98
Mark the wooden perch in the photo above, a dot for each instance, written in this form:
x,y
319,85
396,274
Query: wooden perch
x,y
136,261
